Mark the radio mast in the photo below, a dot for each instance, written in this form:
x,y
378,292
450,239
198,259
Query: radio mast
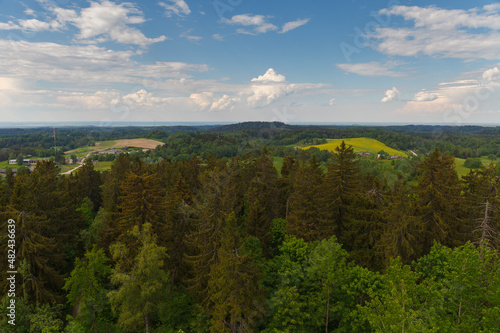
x,y
55,147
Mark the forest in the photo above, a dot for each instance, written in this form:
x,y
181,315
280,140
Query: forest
x,y
204,234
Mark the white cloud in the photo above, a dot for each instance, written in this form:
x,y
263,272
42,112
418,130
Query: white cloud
x,y
102,21
391,95
272,86
56,63
492,74
29,12
332,102
175,7
203,100
372,68
218,37
463,96
188,36
223,103
259,22
425,96
9,26
8,83
269,76
465,34
293,25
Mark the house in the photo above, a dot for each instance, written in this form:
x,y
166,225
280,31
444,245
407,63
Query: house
x,y
365,153
33,161
12,162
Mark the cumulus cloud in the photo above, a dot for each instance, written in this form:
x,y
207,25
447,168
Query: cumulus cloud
x,y
293,25
211,102
391,95
175,7
492,74
258,22
442,32
372,68
269,76
102,21
425,96
271,86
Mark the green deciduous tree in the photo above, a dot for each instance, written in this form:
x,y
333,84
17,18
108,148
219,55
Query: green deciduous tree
x,y
140,280
86,288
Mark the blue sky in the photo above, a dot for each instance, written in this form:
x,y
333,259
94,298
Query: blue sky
x,y
239,60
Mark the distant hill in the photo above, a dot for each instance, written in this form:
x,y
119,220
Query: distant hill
x,y
253,125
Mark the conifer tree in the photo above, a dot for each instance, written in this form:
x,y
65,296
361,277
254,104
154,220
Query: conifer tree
x,y
482,200
36,257
143,201
342,187
89,184
238,301
262,199
204,239
306,210
401,232
177,227
439,203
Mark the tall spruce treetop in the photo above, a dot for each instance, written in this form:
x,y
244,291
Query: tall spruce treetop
x,y
439,204
342,185
306,211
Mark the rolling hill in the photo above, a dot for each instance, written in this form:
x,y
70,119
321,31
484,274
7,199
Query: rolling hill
x,y
360,145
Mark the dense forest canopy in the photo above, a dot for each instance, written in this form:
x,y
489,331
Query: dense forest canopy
x,y
204,234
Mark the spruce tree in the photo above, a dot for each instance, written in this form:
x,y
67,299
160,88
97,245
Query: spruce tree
x,y
342,188
262,200
237,300
306,210
440,207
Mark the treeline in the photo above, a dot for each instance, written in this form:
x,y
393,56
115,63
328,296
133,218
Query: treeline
x,y
182,142
217,245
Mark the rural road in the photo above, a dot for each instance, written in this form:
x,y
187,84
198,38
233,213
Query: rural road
x,y
79,166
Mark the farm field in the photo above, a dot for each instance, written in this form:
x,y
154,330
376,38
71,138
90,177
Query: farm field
x,y
462,170
115,144
360,145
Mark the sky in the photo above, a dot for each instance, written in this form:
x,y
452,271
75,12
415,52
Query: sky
x,y
295,61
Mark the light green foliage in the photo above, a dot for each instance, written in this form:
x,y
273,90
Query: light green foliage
x,y
86,288
140,280
468,282
288,311
326,269
45,319
450,290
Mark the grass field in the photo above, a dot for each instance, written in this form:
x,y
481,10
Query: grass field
x,y
278,164
462,171
360,145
